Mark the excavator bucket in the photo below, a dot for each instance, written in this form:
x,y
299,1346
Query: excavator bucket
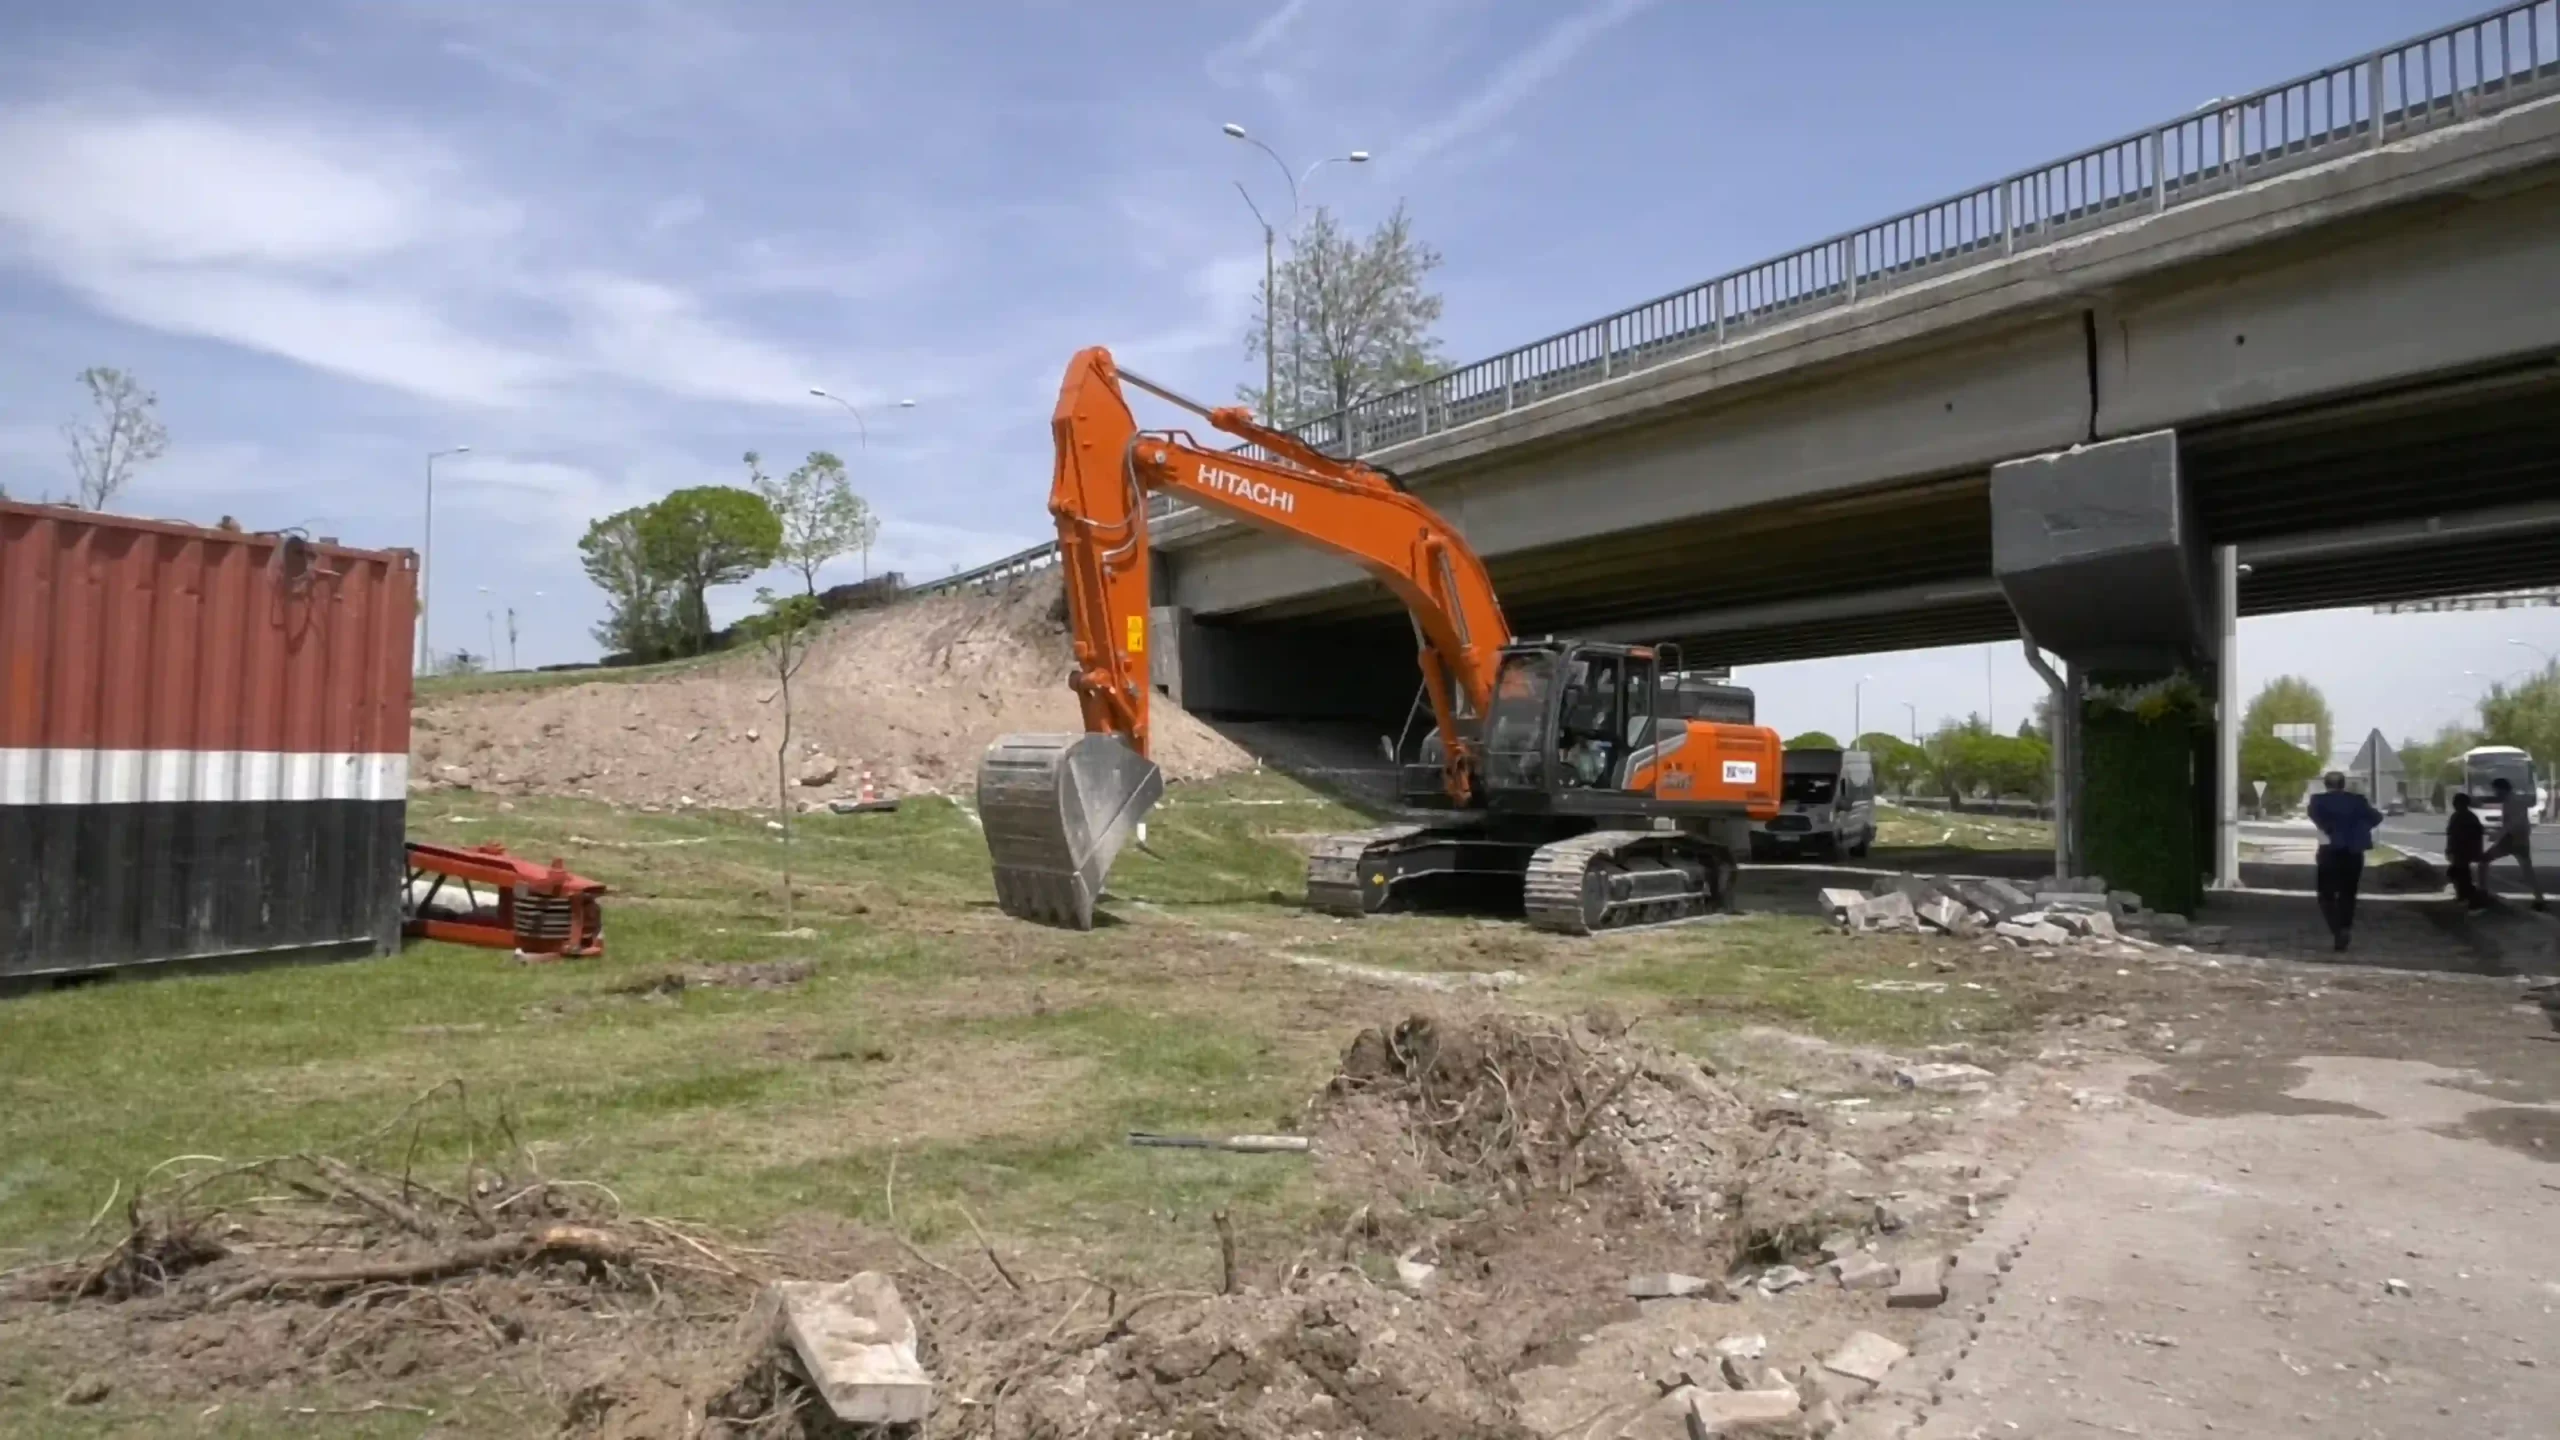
x,y
1057,809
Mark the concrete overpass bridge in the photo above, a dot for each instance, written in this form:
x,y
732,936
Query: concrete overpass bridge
x,y
2337,300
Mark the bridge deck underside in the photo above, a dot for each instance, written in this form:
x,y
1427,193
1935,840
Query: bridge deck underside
x,y
2475,444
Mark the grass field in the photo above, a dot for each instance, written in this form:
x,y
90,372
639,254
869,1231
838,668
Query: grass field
x,y
1960,830
1000,1063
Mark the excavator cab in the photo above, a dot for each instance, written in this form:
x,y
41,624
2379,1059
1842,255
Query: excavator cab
x,y
1566,718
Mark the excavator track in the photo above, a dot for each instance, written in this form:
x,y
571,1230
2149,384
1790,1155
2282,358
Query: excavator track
x,y
1333,869
1624,880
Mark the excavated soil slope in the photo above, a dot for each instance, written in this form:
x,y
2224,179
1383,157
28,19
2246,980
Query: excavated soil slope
x,y
912,693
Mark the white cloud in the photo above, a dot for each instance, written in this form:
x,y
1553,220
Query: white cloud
x,y
1515,80
1222,291
661,337
1227,62
177,189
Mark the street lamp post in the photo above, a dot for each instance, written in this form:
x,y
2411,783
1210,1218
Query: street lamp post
x,y
2546,655
858,427
1858,708
1270,263
1915,720
427,560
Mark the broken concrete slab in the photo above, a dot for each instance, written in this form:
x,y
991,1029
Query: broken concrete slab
x,y
1666,1286
1943,1078
1841,904
1950,917
1866,1356
1737,1412
1885,912
1864,1272
2032,933
858,1345
1665,1419
1921,1286
1779,1279
1742,1347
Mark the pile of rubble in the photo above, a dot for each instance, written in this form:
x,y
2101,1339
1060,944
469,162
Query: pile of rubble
x,y
2056,910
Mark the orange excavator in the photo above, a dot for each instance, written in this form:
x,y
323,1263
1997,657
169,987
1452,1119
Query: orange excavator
x,y
1585,784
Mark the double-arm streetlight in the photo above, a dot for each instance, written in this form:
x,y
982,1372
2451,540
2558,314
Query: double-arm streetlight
x,y
427,560
1270,265
858,427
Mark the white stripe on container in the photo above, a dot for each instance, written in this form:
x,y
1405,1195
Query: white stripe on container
x,y
37,776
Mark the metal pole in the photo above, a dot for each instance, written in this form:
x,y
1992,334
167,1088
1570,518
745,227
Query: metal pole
x,y
1915,720
1270,362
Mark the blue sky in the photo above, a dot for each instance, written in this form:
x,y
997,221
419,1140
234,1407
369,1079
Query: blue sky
x,y
611,245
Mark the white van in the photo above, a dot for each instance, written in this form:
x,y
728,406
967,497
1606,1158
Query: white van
x,y
1826,807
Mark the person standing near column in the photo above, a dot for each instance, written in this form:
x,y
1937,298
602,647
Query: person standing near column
x,y
2346,822
2515,836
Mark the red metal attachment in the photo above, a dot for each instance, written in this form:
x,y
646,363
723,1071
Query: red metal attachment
x,y
484,896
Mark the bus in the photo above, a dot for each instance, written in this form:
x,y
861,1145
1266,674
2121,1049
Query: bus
x,y
2474,769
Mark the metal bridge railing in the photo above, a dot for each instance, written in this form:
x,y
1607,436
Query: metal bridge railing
x,y
2442,77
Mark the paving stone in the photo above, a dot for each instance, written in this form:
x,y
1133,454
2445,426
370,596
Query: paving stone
x,y
1842,905
1665,1419
1666,1286
1737,1412
1746,1347
1921,1286
1943,1077
1866,1356
1865,1272
1779,1279
858,1344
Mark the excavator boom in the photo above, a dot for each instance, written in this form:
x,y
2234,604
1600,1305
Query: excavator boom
x,y
1059,807
1595,792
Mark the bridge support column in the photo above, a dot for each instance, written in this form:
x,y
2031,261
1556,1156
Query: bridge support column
x,y
2096,549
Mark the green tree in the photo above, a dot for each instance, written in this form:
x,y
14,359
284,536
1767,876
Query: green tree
x,y
1349,319
820,514
2288,770
1958,757
705,536
2291,700
639,601
2526,716
1814,740
1899,763
2019,765
123,436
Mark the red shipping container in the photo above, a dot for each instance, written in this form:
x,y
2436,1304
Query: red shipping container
x,y
204,743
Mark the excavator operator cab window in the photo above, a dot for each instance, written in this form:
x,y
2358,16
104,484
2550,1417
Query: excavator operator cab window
x,y
1591,730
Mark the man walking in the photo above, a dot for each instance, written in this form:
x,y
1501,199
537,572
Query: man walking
x,y
2515,836
2346,822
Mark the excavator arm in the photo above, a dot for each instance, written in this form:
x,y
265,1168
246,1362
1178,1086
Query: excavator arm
x,y
1057,808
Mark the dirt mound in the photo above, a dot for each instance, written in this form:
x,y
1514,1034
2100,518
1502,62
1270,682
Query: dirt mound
x,y
1344,1359
1537,1107
912,693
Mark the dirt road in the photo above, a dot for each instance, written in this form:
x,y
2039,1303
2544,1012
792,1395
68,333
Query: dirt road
x,y
2329,1213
